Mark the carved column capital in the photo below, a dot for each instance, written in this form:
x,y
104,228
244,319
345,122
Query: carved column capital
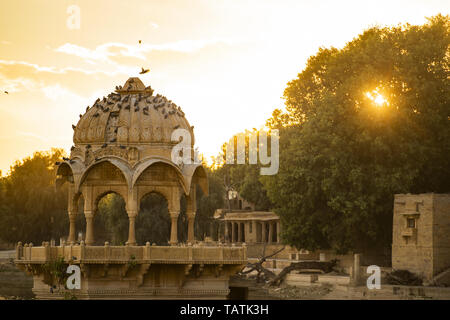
x,y
174,214
88,214
191,214
132,213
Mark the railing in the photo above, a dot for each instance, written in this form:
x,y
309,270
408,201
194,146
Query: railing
x,y
124,254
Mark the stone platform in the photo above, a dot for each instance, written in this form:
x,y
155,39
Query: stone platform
x,y
136,272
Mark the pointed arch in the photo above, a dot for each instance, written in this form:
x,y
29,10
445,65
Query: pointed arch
x,y
141,167
196,171
118,163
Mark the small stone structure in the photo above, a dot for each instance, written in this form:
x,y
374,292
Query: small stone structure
x,y
249,226
421,234
123,145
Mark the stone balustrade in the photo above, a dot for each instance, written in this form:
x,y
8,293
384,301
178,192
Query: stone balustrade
x,y
141,254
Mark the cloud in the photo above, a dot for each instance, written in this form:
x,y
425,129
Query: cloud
x,y
56,92
32,135
17,76
154,25
106,51
38,68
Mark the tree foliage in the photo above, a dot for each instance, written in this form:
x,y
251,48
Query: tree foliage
x,y
344,154
31,209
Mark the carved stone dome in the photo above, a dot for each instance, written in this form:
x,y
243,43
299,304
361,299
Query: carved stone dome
x,y
130,116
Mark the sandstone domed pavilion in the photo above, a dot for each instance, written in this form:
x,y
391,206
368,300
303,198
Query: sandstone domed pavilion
x,y
123,145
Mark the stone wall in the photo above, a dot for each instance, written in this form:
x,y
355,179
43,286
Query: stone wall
x,y
441,233
421,233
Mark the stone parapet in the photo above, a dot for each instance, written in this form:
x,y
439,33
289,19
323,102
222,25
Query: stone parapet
x,y
135,272
140,254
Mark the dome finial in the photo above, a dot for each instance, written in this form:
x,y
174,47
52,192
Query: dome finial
x,y
134,85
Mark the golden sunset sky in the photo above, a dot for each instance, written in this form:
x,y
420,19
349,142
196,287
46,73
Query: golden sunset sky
x,y
226,63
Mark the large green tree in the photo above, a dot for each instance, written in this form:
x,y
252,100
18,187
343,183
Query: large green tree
x,y
363,123
31,208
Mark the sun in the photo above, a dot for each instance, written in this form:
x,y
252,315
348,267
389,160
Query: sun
x,y
377,98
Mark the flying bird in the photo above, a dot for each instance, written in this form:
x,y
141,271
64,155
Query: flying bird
x,y
140,41
144,71
6,92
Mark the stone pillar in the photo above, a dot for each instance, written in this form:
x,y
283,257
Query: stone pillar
x,y
191,220
263,233
239,232
246,231
232,231
174,228
89,228
278,231
132,228
225,236
270,232
72,228
356,267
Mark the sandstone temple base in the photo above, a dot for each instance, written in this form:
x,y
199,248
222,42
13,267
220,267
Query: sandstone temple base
x,y
134,272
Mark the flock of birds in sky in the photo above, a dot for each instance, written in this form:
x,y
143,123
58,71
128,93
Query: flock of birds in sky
x,y
143,71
